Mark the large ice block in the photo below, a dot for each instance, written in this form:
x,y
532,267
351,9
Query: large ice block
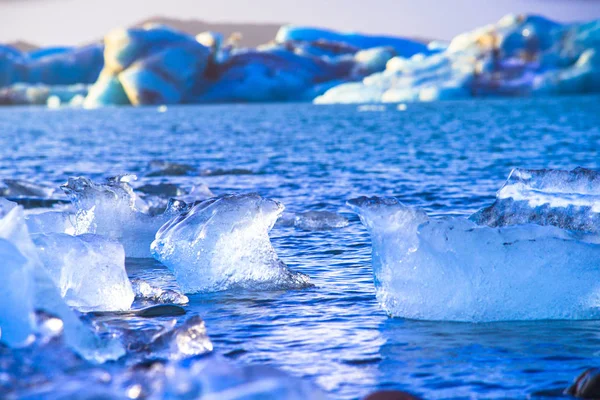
x,y
452,269
223,243
37,291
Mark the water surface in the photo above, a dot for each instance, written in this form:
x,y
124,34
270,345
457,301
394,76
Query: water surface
x,y
449,158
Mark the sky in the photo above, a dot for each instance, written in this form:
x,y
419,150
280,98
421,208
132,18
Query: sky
x,y
71,22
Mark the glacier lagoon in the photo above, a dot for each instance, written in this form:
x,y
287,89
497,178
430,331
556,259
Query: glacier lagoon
x,y
447,158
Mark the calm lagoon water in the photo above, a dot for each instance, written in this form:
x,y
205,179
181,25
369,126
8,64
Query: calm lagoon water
x,y
449,158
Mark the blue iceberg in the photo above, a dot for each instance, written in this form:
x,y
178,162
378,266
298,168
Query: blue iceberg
x,y
518,56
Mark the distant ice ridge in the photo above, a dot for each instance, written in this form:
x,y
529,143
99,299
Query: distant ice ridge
x,y
157,65
518,56
51,66
27,287
113,210
223,243
533,256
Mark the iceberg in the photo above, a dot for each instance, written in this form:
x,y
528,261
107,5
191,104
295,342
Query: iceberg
x,y
34,290
89,270
223,243
152,65
273,73
51,66
402,46
521,55
113,210
532,255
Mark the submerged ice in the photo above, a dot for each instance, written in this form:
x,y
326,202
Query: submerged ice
x,y
223,243
532,256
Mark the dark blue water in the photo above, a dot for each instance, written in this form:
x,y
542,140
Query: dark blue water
x,y
449,158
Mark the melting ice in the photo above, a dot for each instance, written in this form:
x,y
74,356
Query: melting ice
x,y
524,261
27,287
223,243
113,210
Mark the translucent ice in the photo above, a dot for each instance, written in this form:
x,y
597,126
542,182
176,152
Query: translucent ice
x,y
185,340
112,209
223,243
51,222
16,317
315,220
21,188
89,270
453,269
145,291
566,199
36,291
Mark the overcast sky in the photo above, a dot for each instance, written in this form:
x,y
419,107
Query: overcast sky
x,y
53,22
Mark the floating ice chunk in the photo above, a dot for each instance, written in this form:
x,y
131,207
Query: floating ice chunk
x,y
315,220
188,339
21,188
145,291
452,269
565,199
89,270
37,291
112,209
223,243
51,222
203,376
17,323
